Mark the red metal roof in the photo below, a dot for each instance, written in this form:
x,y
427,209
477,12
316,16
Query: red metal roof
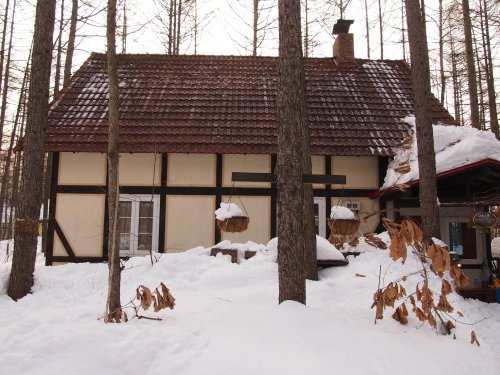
x,y
227,104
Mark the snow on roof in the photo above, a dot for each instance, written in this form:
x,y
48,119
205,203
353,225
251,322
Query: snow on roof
x,y
455,146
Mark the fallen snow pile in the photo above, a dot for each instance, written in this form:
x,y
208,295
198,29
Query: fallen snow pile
x,y
227,321
341,213
227,210
455,146
324,249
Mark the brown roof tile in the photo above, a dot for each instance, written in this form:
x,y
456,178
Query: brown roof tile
x,y
227,104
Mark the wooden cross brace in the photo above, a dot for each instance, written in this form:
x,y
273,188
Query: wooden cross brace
x,y
306,178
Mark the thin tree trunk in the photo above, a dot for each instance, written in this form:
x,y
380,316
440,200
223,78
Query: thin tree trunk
x,y
255,25
381,31
441,53
26,231
124,29
471,68
113,305
71,42
4,37
6,174
178,39
422,91
490,80
6,77
367,30
291,118
403,38
170,26
57,75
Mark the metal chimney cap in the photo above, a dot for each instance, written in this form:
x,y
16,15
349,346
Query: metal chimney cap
x,y
342,26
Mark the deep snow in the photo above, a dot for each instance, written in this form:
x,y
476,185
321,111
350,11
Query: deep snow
x,y
227,321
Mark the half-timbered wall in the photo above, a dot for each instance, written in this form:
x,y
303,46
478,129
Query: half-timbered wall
x,y
189,188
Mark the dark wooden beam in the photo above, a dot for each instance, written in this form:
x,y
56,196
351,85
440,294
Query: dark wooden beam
x,y
306,178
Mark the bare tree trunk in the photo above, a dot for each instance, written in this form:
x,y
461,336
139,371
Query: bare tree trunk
x,y
4,37
403,38
381,31
178,39
471,69
57,75
26,231
441,52
454,76
291,118
422,92
113,305
6,174
124,29
71,42
255,25
170,27
490,80
367,25
6,77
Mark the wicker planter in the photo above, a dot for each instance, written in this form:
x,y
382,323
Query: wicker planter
x,y
344,227
234,224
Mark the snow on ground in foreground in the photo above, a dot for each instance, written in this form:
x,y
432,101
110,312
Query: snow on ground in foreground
x,y
455,146
227,321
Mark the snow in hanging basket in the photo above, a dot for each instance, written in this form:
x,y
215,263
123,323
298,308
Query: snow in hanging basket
x,y
230,218
343,221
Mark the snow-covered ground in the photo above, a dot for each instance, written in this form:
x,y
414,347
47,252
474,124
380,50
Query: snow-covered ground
x,y
227,321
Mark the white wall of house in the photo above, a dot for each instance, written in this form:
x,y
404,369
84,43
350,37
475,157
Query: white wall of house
x,y
189,218
81,217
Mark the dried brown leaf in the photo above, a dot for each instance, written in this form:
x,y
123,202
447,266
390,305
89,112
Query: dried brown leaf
x,y
403,169
407,231
444,305
143,293
418,234
460,279
449,325
431,321
412,301
360,275
473,338
446,287
420,314
401,187
460,314
401,315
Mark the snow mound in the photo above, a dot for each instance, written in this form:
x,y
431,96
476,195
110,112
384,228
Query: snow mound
x,y
341,213
228,210
455,146
324,249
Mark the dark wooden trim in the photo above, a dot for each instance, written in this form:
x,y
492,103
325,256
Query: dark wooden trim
x,y
79,259
163,203
81,189
52,208
476,266
328,190
274,199
383,163
218,194
306,178
64,240
361,193
105,228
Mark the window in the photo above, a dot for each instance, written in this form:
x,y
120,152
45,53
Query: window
x,y
320,215
462,239
138,224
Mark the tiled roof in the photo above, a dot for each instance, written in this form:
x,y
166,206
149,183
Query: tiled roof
x,y
227,104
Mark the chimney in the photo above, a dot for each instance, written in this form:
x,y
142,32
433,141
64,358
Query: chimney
x,y
343,48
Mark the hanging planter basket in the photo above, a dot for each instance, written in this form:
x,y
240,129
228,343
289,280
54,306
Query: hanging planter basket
x,y
344,227
233,224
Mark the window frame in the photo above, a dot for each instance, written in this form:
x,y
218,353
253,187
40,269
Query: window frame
x,y
135,199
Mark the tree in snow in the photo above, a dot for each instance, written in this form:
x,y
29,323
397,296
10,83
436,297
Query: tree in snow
x,y
422,92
